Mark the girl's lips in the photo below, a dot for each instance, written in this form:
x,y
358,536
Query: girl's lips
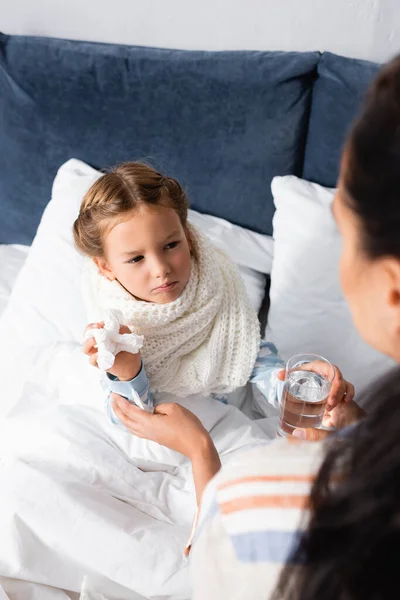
x,y
166,288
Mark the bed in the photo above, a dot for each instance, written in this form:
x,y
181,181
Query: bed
x,y
84,508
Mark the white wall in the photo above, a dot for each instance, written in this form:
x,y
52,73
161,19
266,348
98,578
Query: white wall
x,y
367,29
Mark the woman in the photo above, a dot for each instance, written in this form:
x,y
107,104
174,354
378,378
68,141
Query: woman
x,y
346,545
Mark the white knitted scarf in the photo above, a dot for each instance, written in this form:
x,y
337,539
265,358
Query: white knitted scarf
x,y
205,342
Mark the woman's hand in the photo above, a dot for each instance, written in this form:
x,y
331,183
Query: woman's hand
x,y
177,428
341,410
170,425
343,415
126,365
341,390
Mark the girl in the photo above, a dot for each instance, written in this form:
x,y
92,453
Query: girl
x,y
185,296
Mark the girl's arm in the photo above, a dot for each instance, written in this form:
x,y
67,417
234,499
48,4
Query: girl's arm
x,y
265,376
127,377
135,390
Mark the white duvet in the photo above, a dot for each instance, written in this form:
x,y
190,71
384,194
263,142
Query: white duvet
x,y
80,497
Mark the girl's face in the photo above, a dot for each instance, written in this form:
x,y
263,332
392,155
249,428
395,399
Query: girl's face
x,y
371,286
149,254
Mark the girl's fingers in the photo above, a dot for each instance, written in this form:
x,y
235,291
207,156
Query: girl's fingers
x,y
89,343
98,325
124,329
93,359
89,347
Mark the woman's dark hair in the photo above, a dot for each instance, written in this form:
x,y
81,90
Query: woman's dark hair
x,y
371,173
351,549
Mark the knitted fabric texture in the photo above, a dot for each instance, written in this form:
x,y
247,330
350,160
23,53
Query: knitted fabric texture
x,y
204,342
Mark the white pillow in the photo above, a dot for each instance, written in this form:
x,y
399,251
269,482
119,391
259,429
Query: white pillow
x,y
12,258
252,252
46,304
308,312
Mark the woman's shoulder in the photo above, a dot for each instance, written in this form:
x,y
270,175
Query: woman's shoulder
x,y
251,517
272,475
278,458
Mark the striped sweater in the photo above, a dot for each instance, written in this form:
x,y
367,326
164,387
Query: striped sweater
x,y
251,516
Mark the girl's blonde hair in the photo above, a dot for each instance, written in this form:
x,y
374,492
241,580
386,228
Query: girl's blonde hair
x,y
129,186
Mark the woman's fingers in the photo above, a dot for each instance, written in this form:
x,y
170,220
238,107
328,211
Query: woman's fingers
x,y
344,414
338,384
133,415
168,408
311,435
130,410
350,392
125,420
342,391
340,388
135,419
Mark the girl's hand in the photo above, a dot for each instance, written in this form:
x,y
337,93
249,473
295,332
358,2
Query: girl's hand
x,y
170,425
341,390
126,365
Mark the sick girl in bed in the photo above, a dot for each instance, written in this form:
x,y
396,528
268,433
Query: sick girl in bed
x,y
174,288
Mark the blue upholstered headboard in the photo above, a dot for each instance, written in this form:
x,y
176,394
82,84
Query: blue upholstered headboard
x,y
223,123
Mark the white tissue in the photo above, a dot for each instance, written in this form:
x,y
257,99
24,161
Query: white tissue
x,y
110,342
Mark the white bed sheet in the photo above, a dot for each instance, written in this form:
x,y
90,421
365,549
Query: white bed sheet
x,y
80,497
12,258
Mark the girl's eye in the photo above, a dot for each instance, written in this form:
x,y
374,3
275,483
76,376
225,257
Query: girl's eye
x,y
136,259
171,245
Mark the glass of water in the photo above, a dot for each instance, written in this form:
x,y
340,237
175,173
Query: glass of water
x,y
305,393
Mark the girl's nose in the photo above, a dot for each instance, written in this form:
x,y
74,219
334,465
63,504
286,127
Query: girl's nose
x,y
160,269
